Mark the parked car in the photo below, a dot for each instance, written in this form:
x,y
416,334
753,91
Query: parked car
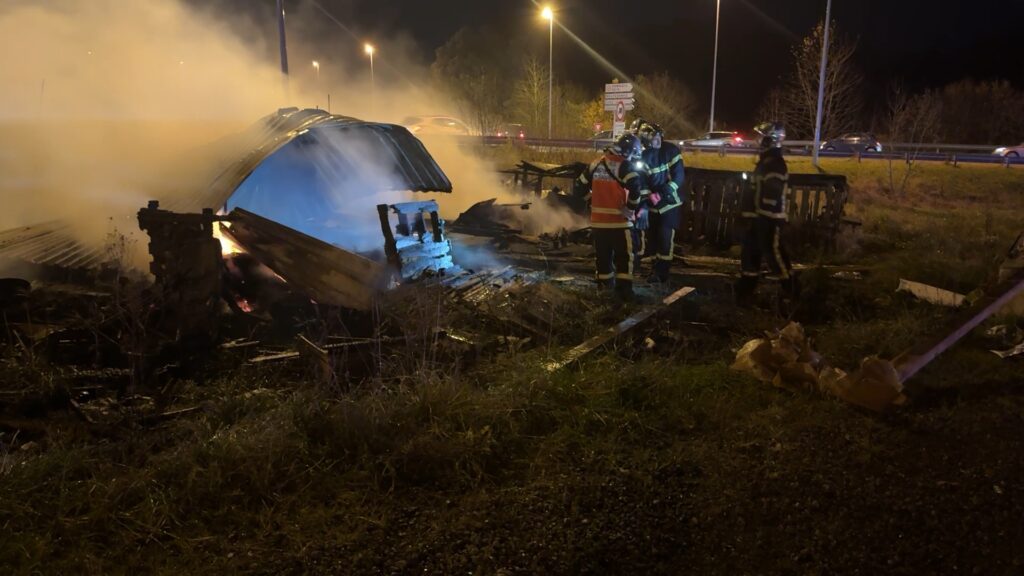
x,y
853,142
718,140
1010,151
512,131
445,125
602,139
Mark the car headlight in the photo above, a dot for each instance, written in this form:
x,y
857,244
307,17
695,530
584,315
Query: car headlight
x,y
1000,151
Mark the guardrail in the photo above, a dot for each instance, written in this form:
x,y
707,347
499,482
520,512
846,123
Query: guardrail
x,y
953,154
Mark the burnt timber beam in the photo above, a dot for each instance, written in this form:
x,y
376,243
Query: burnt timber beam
x,y
326,273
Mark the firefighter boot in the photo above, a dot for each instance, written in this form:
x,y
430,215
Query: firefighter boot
x,y
744,290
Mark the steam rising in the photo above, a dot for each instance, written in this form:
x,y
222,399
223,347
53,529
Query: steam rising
x,y
100,97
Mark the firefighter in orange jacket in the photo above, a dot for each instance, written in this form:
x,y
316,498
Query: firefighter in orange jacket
x,y
616,191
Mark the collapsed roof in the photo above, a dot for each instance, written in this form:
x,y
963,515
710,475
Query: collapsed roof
x,y
398,160
369,158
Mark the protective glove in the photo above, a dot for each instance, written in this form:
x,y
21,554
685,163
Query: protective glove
x,y
642,221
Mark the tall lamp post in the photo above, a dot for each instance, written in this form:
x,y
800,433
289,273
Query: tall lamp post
x,y
548,15
821,82
714,68
316,66
369,49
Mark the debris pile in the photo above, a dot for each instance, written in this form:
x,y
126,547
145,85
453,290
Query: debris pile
x,y
785,359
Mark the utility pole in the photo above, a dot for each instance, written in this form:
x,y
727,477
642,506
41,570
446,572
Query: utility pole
x,y
821,83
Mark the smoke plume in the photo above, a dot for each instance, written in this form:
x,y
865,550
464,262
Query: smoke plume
x,y
101,97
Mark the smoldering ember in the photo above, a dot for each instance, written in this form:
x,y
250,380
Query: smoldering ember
x,y
508,288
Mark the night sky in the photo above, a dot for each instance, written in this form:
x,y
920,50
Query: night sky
x,y
925,43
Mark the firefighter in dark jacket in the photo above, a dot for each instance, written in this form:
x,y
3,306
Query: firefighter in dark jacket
x,y
665,177
617,189
763,206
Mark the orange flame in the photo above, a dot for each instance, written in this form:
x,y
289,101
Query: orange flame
x,y
228,245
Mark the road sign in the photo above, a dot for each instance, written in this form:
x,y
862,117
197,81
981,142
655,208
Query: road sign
x,y
620,112
619,96
610,105
618,87
618,129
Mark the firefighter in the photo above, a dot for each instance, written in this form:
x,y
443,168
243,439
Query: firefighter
x,y
763,206
665,178
617,190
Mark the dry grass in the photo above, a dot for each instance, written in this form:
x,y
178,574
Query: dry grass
x,y
634,463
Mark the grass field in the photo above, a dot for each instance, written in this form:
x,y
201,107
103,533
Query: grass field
x,y
660,462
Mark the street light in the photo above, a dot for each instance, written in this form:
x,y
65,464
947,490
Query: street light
x,y
316,65
369,49
714,68
821,84
548,15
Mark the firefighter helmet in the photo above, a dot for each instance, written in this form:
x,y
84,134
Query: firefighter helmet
x,y
648,132
627,146
772,134
636,125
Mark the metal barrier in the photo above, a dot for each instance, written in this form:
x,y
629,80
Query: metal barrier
x,y
948,153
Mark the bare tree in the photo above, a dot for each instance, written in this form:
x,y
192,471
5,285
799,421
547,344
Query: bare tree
x,y
663,99
797,101
771,108
473,69
913,118
574,107
982,112
912,121
529,102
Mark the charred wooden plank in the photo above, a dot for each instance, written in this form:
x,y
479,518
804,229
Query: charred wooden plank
x,y
328,274
615,331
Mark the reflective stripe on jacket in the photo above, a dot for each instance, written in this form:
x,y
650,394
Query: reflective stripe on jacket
x,y
666,176
770,183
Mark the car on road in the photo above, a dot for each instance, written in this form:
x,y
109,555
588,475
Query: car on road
x,y
602,139
444,125
1010,151
511,131
718,140
852,143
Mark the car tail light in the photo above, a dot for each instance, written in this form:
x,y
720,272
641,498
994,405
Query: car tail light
x,y
522,135
738,139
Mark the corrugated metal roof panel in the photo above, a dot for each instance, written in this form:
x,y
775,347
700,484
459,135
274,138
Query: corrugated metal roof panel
x,y
52,243
406,156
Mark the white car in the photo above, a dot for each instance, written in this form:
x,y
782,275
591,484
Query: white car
x,y
430,125
1010,151
717,140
